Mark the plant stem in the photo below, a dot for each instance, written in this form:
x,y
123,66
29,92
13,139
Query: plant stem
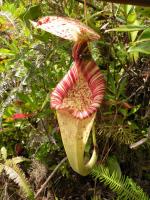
x,y
50,176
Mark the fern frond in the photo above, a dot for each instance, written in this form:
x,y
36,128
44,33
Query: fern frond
x,y
18,159
4,153
17,175
122,134
124,187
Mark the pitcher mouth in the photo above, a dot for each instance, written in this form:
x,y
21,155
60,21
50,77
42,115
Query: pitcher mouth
x,y
81,91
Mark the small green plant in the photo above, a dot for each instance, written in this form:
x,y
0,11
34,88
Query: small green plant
x,y
14,172
124,187
139,32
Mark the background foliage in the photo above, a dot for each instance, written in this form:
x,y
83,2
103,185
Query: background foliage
x,y
32,62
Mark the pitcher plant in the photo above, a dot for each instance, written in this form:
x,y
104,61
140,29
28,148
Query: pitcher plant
x,y
79,94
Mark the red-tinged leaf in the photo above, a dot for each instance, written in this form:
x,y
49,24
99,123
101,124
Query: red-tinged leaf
x,y
127,105
66,28
21,116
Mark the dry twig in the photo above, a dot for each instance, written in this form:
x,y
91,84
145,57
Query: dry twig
x,y
50,176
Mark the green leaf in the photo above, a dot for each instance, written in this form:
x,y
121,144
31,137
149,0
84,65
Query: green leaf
x,y
25,98
145,36
134,110
114,166
131,17
134,33
142,47
127,8
128,28
31,13
6,52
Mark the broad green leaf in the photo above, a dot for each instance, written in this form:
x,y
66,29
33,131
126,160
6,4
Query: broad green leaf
x,y
6,52
114,166
142,47
134,33
128,28
131,17
31,14
127,8
145,36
